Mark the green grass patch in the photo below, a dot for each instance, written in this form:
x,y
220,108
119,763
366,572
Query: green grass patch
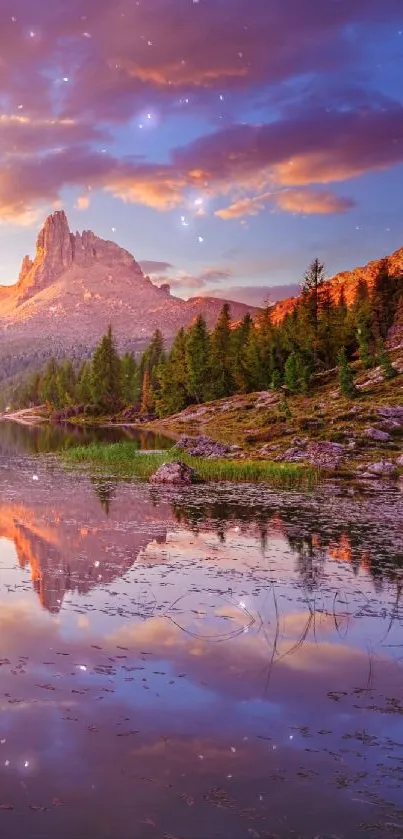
x,y
124,459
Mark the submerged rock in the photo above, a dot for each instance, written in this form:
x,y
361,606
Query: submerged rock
x,y
204,447
175,474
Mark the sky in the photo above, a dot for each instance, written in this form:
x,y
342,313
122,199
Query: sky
x,y
225,143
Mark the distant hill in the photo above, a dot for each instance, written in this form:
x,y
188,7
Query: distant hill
x,y
76,285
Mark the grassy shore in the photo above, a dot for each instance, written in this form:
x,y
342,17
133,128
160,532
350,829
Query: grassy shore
x,y
124,459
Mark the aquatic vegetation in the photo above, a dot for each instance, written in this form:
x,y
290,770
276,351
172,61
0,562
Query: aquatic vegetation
x,y
125,459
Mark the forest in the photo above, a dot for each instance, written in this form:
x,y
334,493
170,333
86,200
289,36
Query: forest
x,y
320,333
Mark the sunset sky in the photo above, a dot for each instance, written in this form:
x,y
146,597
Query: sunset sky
x,y
225,143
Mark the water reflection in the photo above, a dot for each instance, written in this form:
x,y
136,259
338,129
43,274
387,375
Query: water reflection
x,y
44,438
223,662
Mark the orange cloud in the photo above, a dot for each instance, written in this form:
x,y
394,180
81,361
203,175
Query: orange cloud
x,y
311,201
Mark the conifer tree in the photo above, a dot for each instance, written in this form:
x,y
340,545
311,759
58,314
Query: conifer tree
x,y
147,396
384,361
130,383
66,384
346,376
221,359
173,377
198,361
83,387
291,373
152,357
253,362
106,374
239,340
48,390
313,280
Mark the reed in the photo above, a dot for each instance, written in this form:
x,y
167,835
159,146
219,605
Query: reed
x,y
124,459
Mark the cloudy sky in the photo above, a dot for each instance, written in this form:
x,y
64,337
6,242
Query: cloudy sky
x,y
225,143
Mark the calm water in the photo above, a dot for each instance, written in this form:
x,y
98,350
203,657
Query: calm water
x,y
223,662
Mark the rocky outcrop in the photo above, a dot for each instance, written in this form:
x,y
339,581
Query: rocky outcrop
x,y
174,474
204,447
321,453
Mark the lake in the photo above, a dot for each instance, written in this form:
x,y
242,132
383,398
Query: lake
x,y
222,661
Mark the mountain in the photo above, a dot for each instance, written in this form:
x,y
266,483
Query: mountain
x,y
76,285
346,282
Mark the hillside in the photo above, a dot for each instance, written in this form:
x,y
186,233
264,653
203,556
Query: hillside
x,y
322,428
74,287
346,283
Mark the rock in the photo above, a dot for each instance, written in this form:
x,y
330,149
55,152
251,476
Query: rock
x,y
292,455
175,474
202,446
300,442
391,425
321,453
391,411
383,468
399,461
377,434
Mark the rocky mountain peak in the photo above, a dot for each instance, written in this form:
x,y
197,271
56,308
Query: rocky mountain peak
x,y
57,249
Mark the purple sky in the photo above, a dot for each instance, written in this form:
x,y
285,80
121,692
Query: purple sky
x,y
225,143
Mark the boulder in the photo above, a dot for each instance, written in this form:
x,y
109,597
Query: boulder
x,y
377,434
391,425
393,411
174,474
382,468
321,453
203,447
399,461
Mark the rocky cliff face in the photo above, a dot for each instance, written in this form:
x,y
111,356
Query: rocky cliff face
x,y
76,285
57,249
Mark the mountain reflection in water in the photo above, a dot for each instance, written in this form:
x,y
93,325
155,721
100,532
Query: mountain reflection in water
x,y
221,662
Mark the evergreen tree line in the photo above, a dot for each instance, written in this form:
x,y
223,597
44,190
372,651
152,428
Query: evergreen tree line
x,y
319,334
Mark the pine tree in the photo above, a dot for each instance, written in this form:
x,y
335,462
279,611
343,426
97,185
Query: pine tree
x,y
173,376
276,379
291,373
83,386
221,360
253,362
147,396
384,361
106,374
152,357
364,346
48,390
346,376
305,376
198,361
130,379
313,280
66,384
239,341
382,300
